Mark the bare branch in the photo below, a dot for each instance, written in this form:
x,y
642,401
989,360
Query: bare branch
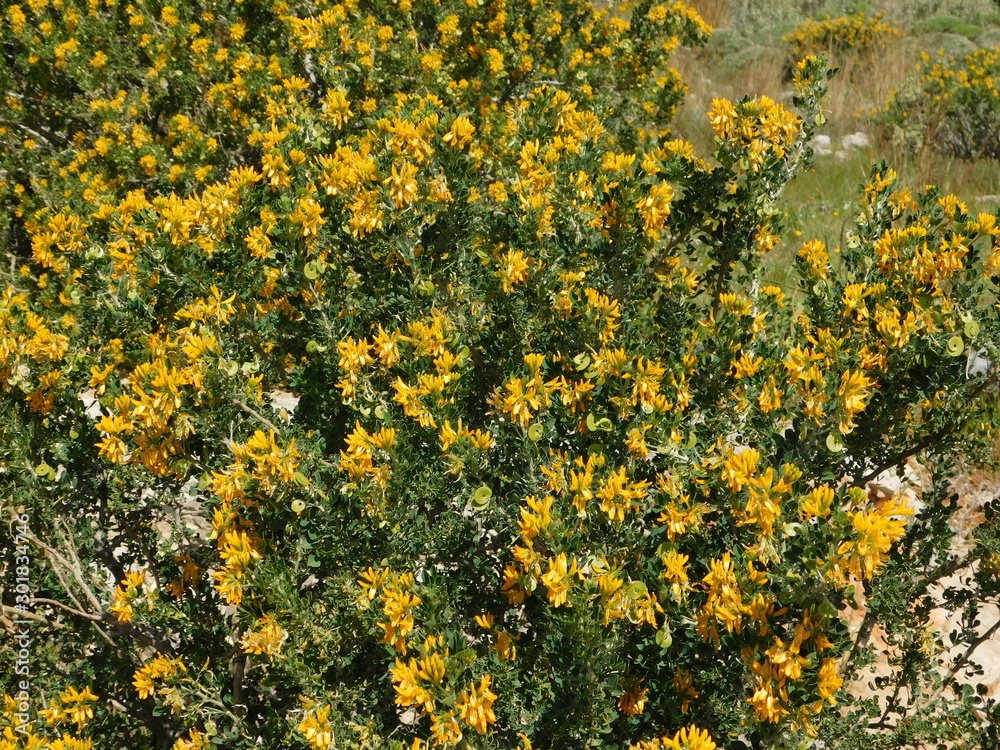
x,y
264,420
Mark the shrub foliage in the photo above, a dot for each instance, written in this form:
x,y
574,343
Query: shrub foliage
x,y
562,471
952,106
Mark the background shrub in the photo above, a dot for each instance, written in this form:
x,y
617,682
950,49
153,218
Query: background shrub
x,y
953,106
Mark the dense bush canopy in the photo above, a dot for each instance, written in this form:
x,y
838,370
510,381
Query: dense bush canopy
x,y
561,471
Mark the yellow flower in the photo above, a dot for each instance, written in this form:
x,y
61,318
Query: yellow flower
x,y
829,681
267,639
655,208
688,738
877,531
815,255
535,518
520,400
494,61
432,61
603,310
407,681
722,117
475,705
618,495
66,742
497,191
196,740
307,214
397,606
684,685
317,729
449,29
724,603
770,396
237,549
557,579
160,668
402,185
767,706
460,133
853,395
71,705
746,366
817,503
675,571
513,269
739,468
633,701
169,15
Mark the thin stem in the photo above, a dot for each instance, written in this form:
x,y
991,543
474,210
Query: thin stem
x,y
253,412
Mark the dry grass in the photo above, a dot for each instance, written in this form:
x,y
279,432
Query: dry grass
x,y
864,81
714,12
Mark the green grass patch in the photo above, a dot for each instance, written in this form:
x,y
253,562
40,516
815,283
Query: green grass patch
x,y
948,25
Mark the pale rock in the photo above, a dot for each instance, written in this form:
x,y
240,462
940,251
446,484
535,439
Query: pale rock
x,y
854,140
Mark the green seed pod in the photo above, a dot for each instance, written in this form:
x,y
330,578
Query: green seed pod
x,y
956,345
481,498
664,638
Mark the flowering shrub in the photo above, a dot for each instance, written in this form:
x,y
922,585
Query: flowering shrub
x,y
952,106
557,469
857,34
